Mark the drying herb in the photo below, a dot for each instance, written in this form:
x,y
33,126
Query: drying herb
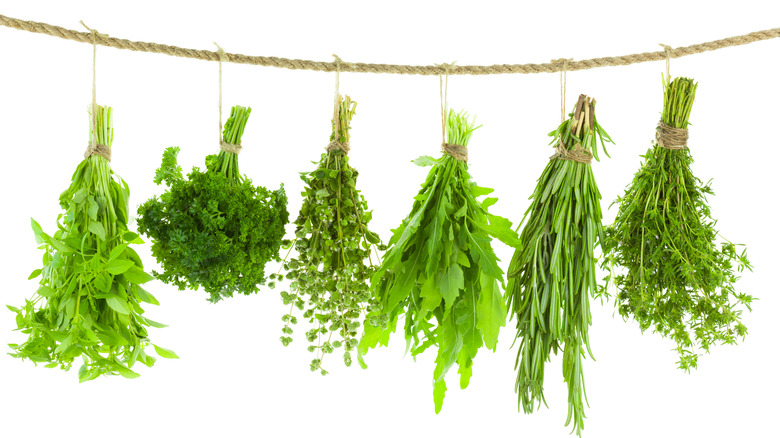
x,y
552,277
440,272
214,229
329,278
678,280
88,302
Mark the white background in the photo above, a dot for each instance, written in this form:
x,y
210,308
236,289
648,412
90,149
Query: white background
x,y
234,378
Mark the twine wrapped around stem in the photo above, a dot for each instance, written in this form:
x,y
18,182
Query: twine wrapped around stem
x,y
669,137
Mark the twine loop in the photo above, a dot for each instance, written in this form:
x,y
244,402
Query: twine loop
x,y
669,54
669,137
578,154
564,63
457,152
98,149
335,145
230,147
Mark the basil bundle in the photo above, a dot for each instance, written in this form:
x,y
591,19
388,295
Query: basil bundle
x,y
440,272
553,275
89,301
214,229
677,278
329,277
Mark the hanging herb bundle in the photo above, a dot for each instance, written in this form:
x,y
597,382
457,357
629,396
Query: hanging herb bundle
x,y
678,280
88,302
329,278
440,271
214,229
553,275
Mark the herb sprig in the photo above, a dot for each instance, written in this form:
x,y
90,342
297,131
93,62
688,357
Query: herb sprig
x,y
329,277
88,304
552,277
215,229
440,273
673,271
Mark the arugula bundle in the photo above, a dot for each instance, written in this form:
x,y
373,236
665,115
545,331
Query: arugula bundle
x,y
330,275
553,275
214,229
88,302
440,271
677,279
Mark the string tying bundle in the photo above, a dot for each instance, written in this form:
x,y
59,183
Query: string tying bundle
x,y
98,149
578,154
670,137
456,151
230,147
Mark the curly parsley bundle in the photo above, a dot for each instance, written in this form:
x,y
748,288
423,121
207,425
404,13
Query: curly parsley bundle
x,y
552,277
215,229
88,304
440,272
329,278
677,278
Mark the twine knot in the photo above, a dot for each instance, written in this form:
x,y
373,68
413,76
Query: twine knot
x,y
336,145
98,149
577,154
670,137
230,147
457,152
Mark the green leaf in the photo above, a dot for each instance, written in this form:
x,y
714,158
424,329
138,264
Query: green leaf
x,y
137,275
38,231
97,229
118,305
34,274
46,291
119,266
450,283
439,389
108,337
143,295
431,296
164,352
425,161
491,311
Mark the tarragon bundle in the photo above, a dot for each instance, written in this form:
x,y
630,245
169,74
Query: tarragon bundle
x,y
440,273
678,280
329,277
552,277
88,304
214,229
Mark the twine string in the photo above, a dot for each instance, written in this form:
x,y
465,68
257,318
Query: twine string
x,y
94,148
223,57
564,63
336,143
443,91
303,64
669,137
669,53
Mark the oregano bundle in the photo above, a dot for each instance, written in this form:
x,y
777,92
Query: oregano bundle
x,y
88,304
440,273
215,229
677,275
553,275
330,275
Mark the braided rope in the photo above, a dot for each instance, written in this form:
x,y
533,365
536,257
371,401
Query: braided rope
x,y
359,67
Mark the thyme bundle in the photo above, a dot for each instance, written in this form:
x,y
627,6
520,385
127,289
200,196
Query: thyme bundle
x,y
330,275
676,278
552,276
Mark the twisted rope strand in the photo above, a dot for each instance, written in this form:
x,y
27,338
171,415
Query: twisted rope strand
x,y
359,67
